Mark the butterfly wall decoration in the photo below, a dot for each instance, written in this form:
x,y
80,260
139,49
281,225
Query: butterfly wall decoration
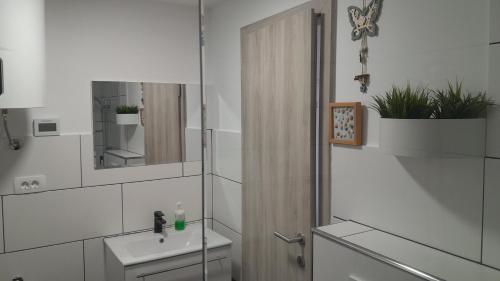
x,y
364,24
364,21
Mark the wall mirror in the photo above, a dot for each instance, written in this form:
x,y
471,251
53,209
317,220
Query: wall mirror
x,y
143,123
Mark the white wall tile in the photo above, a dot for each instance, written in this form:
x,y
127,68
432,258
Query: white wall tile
x,y
141,199
1,228
54,217
235,248
491,245
227,154
92,177
191,168
493,135
56,263
209,196
210,151
94,260
437,202
227,203
56,157
193,148
193,144
494,21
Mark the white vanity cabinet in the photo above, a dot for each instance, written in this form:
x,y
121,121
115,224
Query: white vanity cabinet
x,y
22,52
218,270
186,267
352,252
334,262
174,257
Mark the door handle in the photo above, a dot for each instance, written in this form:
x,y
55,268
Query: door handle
x,y
300,238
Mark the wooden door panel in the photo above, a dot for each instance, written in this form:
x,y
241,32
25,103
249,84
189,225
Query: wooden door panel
x,y
162,123
277,144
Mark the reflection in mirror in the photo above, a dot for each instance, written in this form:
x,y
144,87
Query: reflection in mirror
x,y
139,123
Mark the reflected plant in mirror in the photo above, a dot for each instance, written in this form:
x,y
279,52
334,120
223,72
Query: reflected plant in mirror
x,y
139,123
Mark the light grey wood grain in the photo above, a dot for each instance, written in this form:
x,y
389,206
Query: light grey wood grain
x,y
162,123
277,144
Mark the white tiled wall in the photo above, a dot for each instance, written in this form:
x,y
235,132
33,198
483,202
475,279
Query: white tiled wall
x,y
54,217
494,21
227,154
38,225
209,194
58,158
191,168
57,263
193,144
141,199
437,202
236,256
491,243
94,260
227,191
227,203
1,227
493,135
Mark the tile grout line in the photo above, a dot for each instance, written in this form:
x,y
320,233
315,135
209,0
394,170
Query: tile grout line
x,y
228,179
483,210
92,238
491,157
81,162
212,170
84,263
230,228
3,224
353,234
96,186
123,216
422,244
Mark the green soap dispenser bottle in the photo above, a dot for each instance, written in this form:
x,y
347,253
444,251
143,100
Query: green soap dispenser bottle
x,y
180,218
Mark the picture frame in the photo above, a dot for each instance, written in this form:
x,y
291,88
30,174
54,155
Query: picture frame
x,y
346,123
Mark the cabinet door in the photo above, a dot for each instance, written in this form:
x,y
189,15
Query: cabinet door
x,y
219,270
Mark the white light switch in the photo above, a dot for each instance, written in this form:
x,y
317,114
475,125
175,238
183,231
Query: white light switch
x,y
30,184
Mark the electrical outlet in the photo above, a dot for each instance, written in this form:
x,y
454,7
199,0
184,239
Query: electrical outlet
x,y
30,184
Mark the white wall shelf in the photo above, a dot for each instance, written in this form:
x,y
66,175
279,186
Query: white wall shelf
x,y
433,138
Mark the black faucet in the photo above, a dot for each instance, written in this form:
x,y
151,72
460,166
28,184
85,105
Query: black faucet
x,y
159,222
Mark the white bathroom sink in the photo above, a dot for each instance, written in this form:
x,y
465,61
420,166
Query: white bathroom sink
x,y
148,246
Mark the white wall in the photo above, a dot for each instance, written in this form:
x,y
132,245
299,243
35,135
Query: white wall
x,y
437,202
423,42
112,40
225,20
491,242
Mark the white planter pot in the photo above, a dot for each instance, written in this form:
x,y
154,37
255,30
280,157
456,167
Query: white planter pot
x,y
437,138
127,119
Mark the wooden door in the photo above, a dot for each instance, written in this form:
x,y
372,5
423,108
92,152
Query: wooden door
x,y
162,123
278,145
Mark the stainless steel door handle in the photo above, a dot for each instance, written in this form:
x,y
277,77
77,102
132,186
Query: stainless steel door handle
x,y
300,238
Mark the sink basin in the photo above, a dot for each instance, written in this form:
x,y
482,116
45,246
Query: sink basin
x,y
148,246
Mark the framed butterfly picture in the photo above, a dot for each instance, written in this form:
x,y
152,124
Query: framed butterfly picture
x,y
346,121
